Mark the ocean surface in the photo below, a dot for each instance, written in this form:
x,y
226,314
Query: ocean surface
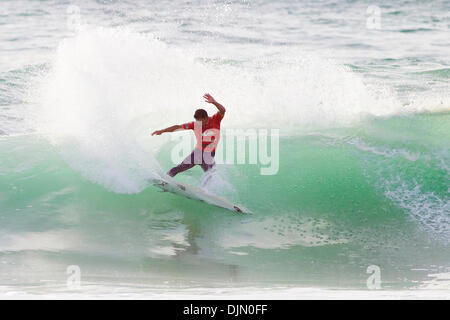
x,y
360,94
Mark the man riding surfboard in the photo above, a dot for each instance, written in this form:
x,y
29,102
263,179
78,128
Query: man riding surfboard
x,y
207,133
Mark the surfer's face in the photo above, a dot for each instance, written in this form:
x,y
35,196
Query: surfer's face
x,y
204,121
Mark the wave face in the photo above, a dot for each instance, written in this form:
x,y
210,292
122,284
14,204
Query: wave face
x,y
364,152
343,199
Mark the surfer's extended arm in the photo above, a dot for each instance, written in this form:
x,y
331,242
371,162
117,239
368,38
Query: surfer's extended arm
x,y
210,99
169,129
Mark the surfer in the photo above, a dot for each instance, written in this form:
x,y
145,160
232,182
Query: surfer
x,y
207,133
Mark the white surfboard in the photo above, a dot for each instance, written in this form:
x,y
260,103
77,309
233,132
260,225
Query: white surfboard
x,y
170,185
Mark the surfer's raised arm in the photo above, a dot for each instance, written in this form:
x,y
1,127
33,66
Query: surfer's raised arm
x,y
210,99
169,129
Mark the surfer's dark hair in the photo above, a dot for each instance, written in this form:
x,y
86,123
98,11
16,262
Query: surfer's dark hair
x,y
200,114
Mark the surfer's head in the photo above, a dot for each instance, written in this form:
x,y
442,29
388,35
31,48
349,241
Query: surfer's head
x,y
201,115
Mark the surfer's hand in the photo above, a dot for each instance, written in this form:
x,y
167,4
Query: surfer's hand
x,y
157,132
209,98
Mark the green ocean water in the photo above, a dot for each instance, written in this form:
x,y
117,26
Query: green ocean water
x,y
343,199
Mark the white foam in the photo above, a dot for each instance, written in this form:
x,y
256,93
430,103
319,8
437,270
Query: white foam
x,y
95,291
388,153
283,232
108,89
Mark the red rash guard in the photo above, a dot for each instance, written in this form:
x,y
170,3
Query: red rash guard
x,y
208,137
